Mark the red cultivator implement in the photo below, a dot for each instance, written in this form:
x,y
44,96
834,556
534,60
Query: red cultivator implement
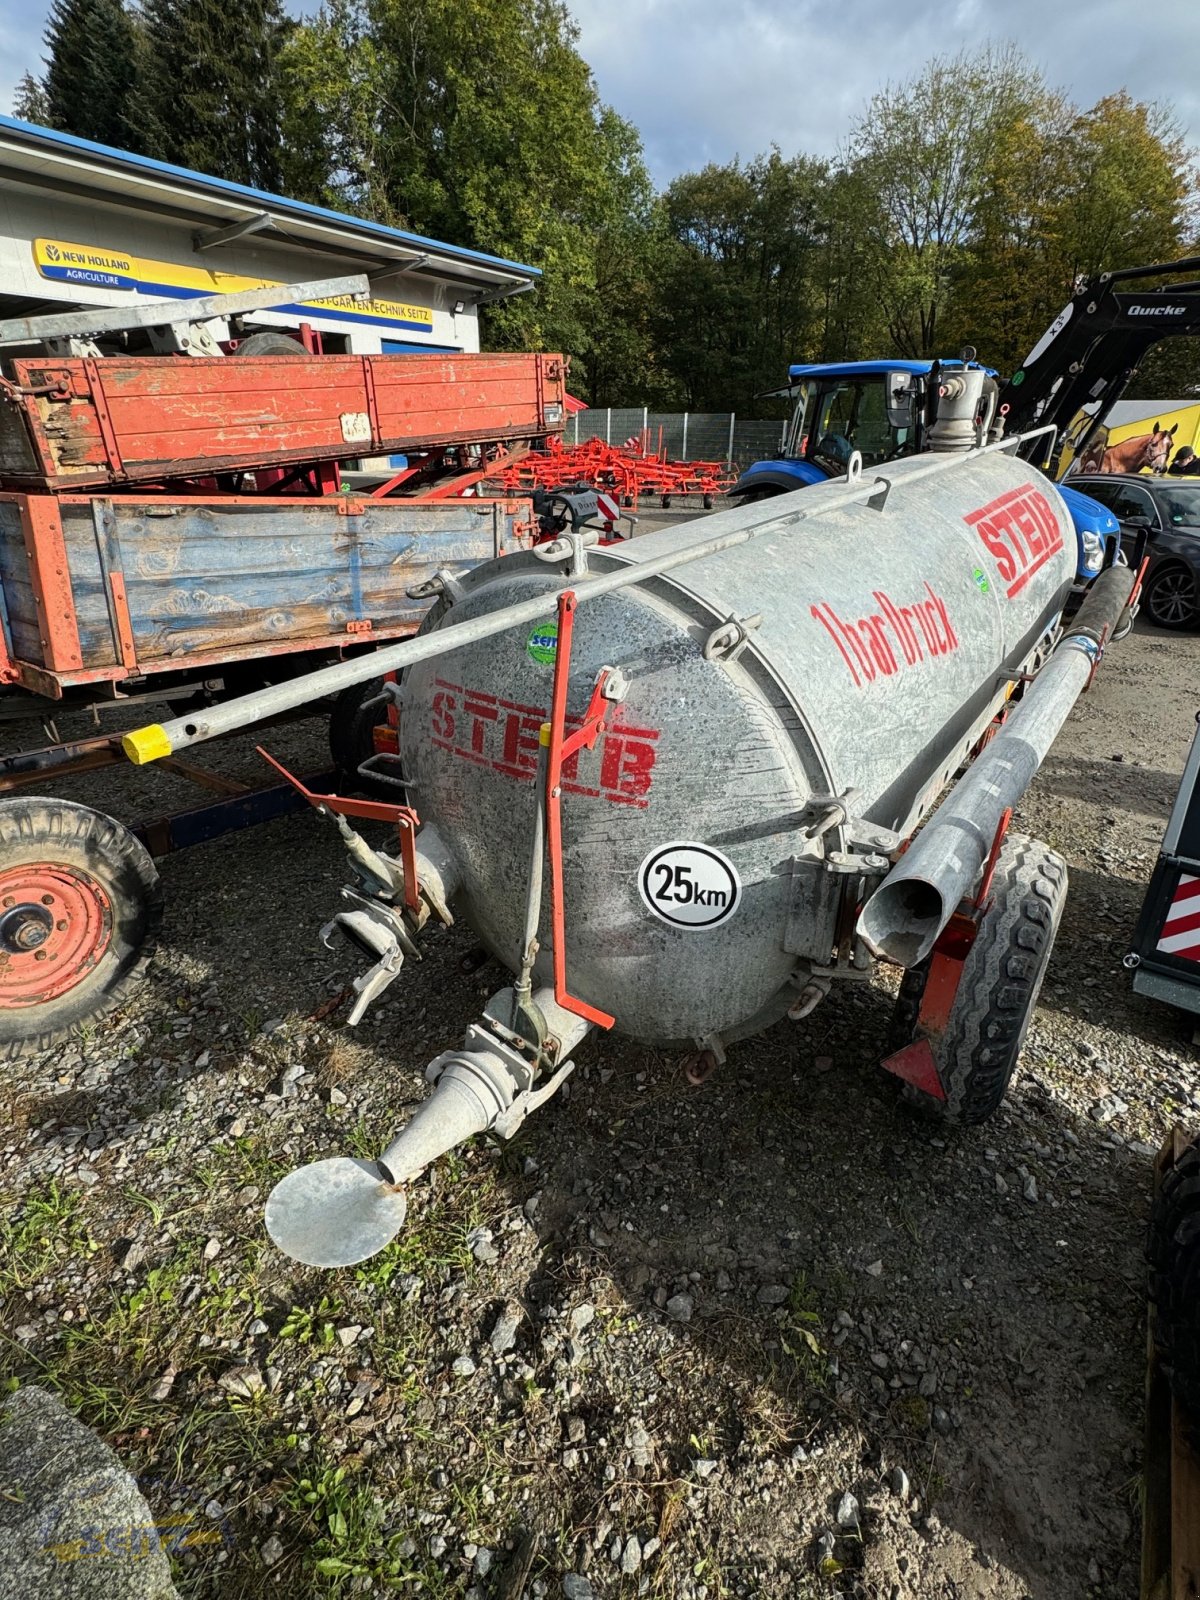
x,y
627,472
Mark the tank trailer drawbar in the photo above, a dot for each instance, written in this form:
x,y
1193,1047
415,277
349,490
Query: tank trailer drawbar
x,y
669,784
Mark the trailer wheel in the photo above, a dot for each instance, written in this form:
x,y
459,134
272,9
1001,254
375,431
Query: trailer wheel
x,y
1173,1255
80,901
268,343
1001,979
352,727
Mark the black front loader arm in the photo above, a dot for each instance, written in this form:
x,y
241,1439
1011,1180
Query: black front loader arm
x,y
1092,349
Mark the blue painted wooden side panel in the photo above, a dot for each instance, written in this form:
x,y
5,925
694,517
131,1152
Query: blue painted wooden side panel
x,y
211,579
19,609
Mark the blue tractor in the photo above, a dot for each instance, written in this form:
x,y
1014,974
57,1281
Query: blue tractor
x,y
884,410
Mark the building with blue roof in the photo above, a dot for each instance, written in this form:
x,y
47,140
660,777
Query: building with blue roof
x,y
83,225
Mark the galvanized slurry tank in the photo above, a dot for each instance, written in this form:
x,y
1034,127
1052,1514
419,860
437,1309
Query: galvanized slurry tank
x,y
878,644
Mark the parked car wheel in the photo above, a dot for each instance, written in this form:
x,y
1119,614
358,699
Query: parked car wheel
x,y
1170,598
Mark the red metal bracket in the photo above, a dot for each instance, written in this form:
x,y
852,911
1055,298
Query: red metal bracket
x,y
563,745
1137,584
405,818
107,432
983,898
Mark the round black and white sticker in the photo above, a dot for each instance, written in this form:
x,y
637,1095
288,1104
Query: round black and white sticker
x,y
689,885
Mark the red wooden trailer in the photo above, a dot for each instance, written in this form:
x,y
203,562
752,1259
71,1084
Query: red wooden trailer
x,y
72,424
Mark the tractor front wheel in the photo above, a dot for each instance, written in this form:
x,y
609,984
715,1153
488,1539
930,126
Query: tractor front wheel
x,y
998,990
80,900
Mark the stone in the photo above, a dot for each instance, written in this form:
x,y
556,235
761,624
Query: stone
x,y
679,1307
1108,1109
271,1551
581,1317
941,1420
504,1331
631,1556
242,1381
898,1482
463,1367
576,1587
773,1294
705,1466
1029,1188
437,1547
62,1485
348,1335
875,1269
847,1511
165,1383
641,1449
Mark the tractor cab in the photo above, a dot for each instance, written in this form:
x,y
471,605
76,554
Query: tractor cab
x,y
873,407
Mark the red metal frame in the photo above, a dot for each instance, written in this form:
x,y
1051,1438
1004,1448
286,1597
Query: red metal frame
x,y
562,746
405,818
916,1062
50,576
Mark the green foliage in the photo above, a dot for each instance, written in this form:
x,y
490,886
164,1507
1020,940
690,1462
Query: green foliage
x,y
742,276
209,87
91,69
478,121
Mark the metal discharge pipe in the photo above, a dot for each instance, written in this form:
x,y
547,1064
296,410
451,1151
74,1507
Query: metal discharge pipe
x,y
734,527
905,916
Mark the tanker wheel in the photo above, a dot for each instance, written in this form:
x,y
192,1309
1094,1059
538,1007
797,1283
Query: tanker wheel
x,y
269,343
1173,1254
352,725
80,901
1001,979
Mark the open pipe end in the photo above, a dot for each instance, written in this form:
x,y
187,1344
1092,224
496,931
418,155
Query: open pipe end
x,y
334,1213
902,920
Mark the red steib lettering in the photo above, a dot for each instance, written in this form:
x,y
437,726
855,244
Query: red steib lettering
x,y
503,736
892,639
1020,532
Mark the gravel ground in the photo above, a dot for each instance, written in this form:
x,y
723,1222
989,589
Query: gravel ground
x,y
768,1337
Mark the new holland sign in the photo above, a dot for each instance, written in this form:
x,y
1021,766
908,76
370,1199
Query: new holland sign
x,y
93,268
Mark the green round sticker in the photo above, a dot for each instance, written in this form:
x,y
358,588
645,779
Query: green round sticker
x,y
981,580
542,643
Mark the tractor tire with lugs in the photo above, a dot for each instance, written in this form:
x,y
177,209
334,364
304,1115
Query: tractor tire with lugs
x,y
1001,979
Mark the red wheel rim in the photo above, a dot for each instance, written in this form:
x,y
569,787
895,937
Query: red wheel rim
x,y
55,925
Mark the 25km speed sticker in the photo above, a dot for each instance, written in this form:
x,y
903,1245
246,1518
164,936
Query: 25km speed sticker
x,y
689,885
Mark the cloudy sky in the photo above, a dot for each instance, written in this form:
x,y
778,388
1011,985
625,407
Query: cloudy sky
x,y
706,80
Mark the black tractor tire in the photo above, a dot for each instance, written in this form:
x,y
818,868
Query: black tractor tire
x,y
269,343
1173,1256
1001,979
76,887
1170,599
351,729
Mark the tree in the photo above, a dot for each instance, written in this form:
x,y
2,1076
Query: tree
x,y
29,101
741,288
91,68
475,121
924,152
208,95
